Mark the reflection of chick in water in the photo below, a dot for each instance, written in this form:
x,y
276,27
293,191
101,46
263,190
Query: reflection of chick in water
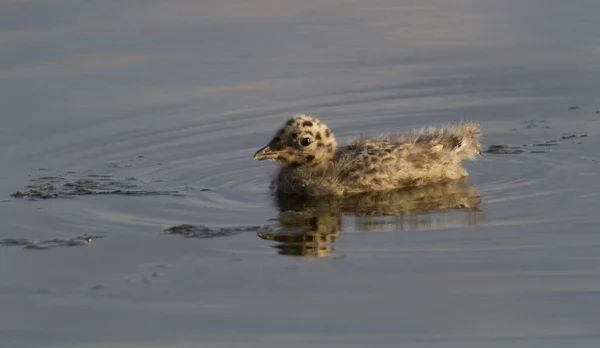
x,y
305,233
311,223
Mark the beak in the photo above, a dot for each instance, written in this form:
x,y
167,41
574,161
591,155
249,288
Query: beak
x,y
265,153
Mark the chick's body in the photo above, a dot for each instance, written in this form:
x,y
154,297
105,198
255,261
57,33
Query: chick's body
x,y
313,164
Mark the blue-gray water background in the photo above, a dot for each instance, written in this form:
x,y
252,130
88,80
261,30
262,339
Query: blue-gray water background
x,y
179,95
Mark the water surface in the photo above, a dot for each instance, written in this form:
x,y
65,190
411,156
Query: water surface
x,y
175,97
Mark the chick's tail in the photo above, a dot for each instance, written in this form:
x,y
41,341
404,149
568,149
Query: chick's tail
x,y
464,139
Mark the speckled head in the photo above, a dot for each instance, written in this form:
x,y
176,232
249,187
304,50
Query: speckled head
x,y
302,141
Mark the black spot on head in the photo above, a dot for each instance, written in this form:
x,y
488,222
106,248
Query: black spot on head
x,y
330,146
307,124
327,133
295,164
294,135
280,132
318,137
310,158
276,139
320,144
330,150
290,122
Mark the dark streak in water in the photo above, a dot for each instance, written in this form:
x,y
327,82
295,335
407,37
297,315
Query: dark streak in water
x,y
51,243
205,232
48,187
571,136
505,149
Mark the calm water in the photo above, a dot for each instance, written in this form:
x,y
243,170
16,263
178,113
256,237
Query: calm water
x,y
177,96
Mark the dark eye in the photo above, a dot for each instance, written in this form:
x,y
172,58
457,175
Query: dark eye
x,y
305,141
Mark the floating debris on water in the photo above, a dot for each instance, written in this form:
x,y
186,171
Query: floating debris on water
x,y
63,186
15,241
504,149
575,135
51,243
205,232
97,287
535,123
574,107
549,143
517,149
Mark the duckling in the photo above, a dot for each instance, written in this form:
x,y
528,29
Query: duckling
x,y
313,164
